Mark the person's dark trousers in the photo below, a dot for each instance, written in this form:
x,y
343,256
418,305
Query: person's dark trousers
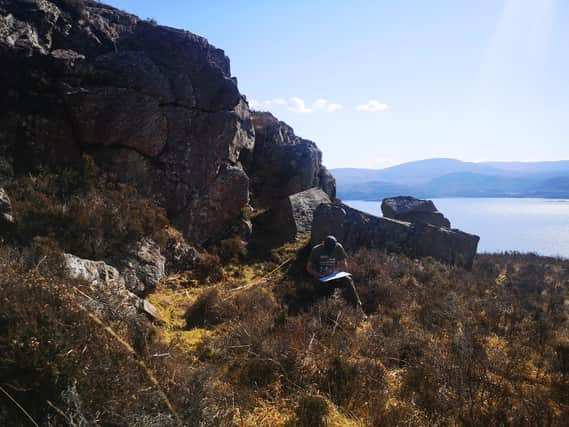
x,y
345,284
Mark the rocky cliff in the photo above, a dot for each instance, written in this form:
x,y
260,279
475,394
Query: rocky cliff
x,y
155,106
283,164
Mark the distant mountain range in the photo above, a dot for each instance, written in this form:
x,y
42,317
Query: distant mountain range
x,y
454,178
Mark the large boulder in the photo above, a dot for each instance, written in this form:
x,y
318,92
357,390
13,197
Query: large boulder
x,y
405,208
157,107
290,218
144,267
6,215
283,163
357,229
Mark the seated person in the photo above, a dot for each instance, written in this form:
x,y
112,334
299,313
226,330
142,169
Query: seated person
x,y
327,258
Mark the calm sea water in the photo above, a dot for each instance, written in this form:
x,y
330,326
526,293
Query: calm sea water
x,y
525,225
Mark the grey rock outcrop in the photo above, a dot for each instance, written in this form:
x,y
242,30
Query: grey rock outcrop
x,y
410,209
109,287
357,229
179,257
6,215
144,267
105,280
101,276
283,163
157,107
291,217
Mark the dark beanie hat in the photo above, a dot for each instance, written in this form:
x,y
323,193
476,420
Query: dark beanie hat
x,y
330,243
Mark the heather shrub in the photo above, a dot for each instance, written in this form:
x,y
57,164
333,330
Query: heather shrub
x,y
45,255
311,411
212,308
48,344
231,250
97,223
209,309
207,268
111,370
257,372
340,380
297,294
562,352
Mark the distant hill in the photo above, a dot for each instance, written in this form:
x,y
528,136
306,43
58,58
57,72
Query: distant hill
x,y
454,178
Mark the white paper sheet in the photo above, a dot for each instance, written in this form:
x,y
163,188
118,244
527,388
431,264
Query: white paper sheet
x,y
334,276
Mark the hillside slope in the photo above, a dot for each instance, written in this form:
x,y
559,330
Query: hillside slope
x,y
453,178
131,172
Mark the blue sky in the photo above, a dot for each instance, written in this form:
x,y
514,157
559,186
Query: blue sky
x,y
377,83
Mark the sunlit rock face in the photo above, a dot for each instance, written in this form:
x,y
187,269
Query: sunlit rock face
x,y
283,163
155,106
356,229
290,218
410,209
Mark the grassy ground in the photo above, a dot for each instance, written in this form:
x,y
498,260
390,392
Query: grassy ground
x,y
255,347
441,345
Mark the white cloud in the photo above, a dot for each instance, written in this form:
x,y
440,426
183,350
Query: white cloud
x,y
334,107
296,104
325,105
372,106
320,103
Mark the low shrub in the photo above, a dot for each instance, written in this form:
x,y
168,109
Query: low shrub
x,y
341,380
49,344
91,224
231,250
209,309
212,308
207,268
257,372
311,411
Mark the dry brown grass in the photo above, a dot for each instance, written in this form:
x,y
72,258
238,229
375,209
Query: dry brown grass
x,y
247,341
95,220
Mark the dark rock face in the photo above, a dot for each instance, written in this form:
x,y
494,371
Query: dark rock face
x,y
144,267
355,229
179,257
6,215
156,107
291,217
410,209
327,182
283,163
